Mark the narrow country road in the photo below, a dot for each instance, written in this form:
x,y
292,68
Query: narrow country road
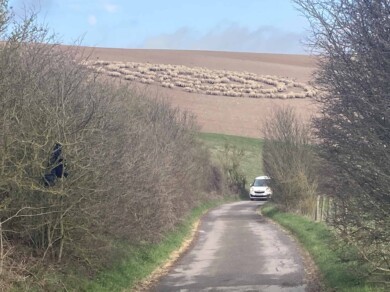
x,y
237,250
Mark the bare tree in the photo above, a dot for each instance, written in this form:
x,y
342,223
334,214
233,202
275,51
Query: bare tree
x,y
353,41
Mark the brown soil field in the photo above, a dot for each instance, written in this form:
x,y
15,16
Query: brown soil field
x,y
240,116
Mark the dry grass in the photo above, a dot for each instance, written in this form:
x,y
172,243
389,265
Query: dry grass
x,y
205,81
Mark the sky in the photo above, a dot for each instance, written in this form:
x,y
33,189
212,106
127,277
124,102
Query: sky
x,y
267,26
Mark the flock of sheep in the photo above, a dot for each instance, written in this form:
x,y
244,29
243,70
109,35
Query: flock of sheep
x,y
205,81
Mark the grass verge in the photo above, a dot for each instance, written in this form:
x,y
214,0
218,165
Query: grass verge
x,y
251,164
140,261
339,272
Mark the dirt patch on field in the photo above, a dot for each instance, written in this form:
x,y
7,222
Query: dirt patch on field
x,y
234,115
240,116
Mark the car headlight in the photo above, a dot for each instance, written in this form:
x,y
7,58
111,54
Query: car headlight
x,y
251,189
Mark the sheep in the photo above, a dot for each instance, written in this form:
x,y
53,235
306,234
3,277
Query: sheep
x,y
311,93
168,85
99,70
198,79
101,63
125,71
213,92
114,74
300,95
210,80
180,84
113,67
189,89
281,88
224,80
156,68
130,77
142,69
232,93
146,81
138,75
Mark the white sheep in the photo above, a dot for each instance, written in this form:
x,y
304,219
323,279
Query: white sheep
x,y
198,79
130,77
114,74
146,81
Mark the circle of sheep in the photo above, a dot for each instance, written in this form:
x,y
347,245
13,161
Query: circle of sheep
x,y
205,81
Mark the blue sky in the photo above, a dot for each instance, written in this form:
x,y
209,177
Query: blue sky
x,y
271,26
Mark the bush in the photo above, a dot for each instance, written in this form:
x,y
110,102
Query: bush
x,y
230,160
290,161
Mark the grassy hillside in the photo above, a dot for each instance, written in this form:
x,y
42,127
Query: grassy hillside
x,y
252,164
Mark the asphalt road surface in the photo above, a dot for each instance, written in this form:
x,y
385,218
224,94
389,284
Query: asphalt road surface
x,y
237,250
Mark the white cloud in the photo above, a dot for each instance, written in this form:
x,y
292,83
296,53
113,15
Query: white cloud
x,y
92,20
111,8
233,37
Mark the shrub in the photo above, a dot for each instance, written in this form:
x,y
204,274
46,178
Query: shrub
x,y
51,104
290,161
230,160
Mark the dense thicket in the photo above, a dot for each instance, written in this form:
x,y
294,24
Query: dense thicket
x,y
353,40
83,162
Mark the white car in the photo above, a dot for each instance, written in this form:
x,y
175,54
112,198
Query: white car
x,y
259,189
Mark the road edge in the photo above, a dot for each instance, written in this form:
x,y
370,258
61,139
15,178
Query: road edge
x,y
150,281
313,278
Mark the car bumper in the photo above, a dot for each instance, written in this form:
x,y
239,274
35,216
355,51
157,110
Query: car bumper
x,y
259,196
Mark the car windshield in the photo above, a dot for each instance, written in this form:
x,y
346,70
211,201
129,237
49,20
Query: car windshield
x,y
260,182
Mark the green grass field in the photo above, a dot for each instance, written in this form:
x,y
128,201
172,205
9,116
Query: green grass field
x,y
252,164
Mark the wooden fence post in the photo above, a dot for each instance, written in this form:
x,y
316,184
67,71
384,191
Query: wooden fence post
x,y
317,208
